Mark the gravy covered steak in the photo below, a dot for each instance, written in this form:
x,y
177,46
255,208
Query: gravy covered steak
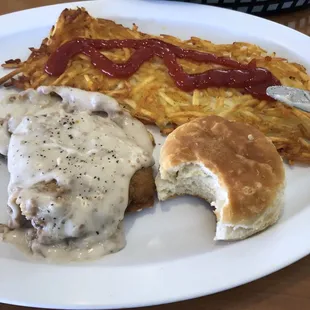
x,y
77,162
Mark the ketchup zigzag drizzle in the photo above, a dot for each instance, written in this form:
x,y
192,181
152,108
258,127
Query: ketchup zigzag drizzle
x,y
252,79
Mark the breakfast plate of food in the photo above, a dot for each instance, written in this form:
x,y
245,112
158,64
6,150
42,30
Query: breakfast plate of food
x,y
144,159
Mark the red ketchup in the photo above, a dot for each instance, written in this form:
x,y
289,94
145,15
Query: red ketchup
x,y
252,79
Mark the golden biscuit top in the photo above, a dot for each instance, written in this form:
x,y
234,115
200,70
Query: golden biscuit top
x,y
246,163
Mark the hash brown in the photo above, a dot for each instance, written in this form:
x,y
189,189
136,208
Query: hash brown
x,y
151,95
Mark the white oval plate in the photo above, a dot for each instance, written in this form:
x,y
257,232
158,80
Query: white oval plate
x,y
170,253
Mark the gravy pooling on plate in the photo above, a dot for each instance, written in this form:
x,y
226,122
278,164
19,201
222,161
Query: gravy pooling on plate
x,y
70,172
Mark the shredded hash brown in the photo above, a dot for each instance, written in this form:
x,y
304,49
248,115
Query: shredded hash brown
x,y
151,95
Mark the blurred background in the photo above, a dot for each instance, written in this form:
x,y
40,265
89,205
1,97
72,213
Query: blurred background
x,y
258,7
291,13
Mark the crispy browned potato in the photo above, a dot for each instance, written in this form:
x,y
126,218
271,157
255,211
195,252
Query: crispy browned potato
x,y
151,95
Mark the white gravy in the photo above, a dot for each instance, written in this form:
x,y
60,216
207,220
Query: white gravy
x,y
70,172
